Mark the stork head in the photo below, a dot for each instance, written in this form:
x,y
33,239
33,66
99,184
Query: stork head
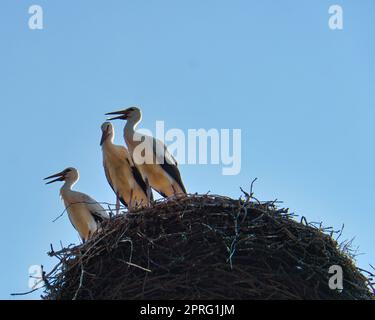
x,y
69,174
132,113
107,132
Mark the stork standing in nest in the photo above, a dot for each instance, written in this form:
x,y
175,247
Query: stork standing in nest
x,y
122,175
157,166
85,214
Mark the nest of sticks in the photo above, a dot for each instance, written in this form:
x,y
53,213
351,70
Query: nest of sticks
x,y
206,247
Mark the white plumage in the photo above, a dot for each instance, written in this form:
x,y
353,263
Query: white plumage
x,y
157,166
84,212
122,175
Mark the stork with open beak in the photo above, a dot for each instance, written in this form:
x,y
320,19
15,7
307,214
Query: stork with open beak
x,y
161,173
85,214
122,175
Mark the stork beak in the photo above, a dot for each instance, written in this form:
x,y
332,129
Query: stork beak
x,y
123,115
105,135
60,177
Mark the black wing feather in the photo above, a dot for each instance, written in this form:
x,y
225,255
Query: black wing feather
x,y
173,171
122,200
111,185
97,217
138,178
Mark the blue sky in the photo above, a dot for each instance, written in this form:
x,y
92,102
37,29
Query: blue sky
x,y
302,94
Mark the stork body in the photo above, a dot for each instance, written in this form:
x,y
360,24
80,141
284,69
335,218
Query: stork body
x,y
85,214
122,175
160,170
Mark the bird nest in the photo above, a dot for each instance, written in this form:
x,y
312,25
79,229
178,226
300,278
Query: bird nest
x,y
206,247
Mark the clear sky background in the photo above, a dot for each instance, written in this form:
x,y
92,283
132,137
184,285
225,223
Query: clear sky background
x,y
302,94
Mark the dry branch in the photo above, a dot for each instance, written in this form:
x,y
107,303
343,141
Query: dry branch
x,y
206,247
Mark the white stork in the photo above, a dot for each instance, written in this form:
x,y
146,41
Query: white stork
x,y
161,173
85,214
122,175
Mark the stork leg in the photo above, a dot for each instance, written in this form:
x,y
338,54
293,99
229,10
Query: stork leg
x,y
149,192
177,194
174,190
117,205
130,205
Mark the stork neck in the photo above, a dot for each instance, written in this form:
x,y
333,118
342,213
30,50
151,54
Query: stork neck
x,y
108,142
129,129
68,185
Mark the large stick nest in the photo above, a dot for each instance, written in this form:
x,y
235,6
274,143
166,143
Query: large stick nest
x,y
205,247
